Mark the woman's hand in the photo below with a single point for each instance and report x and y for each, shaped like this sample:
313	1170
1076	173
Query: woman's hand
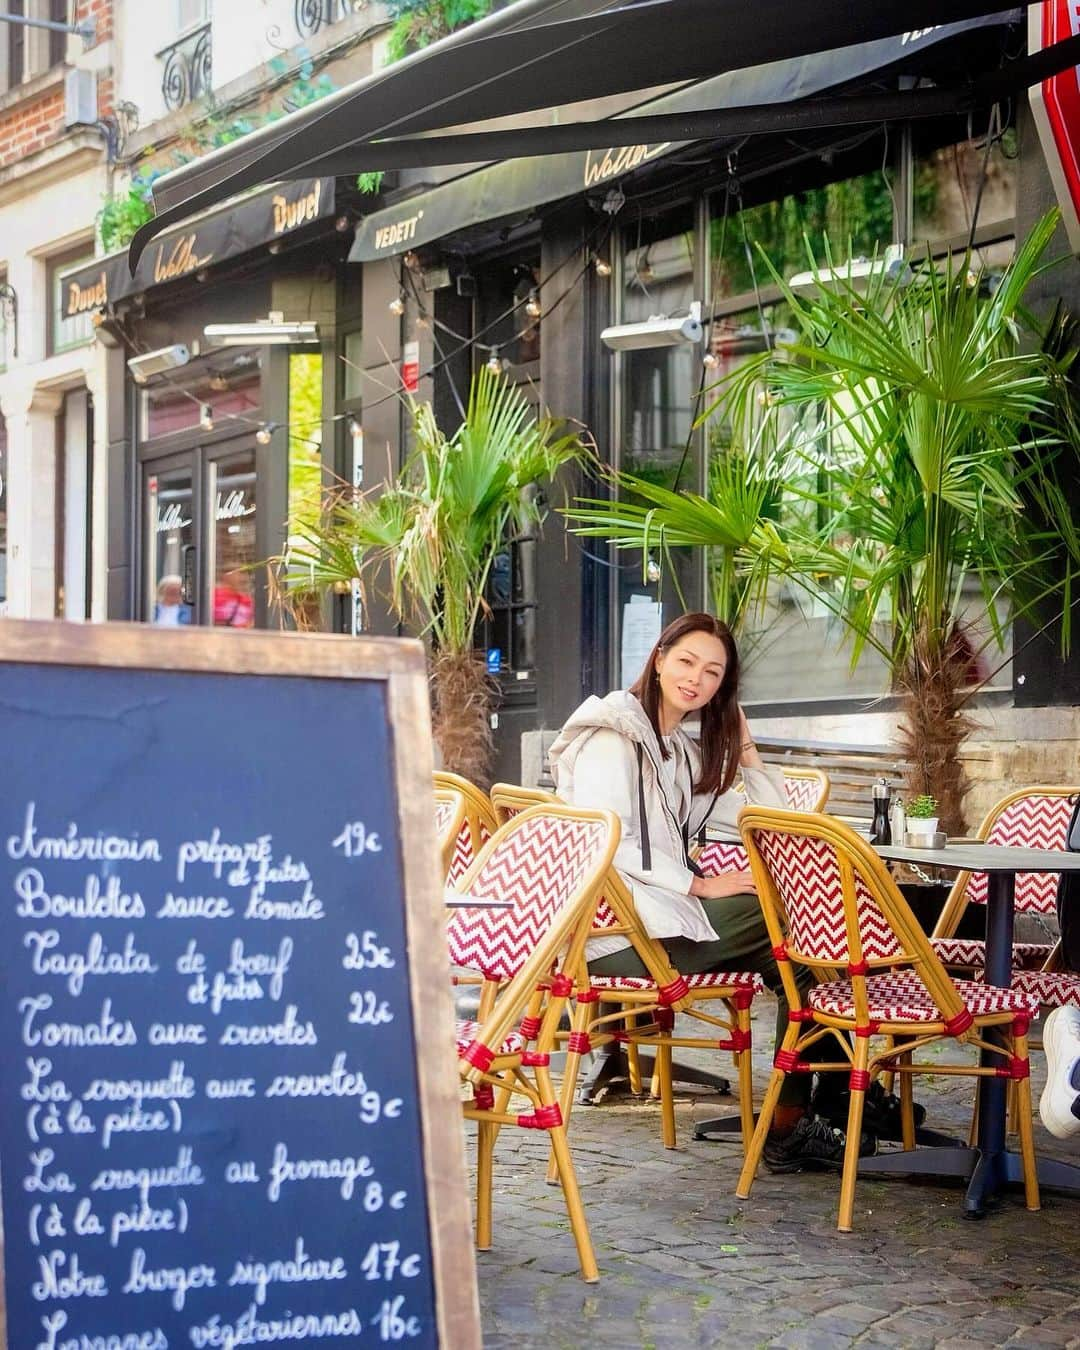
723	885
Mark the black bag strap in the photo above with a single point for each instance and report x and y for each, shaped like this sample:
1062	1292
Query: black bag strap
643	820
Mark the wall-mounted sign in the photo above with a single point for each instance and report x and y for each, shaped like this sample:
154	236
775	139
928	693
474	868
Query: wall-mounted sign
1055	105
227	233
229	1102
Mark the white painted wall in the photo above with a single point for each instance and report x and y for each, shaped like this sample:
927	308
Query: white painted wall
249	32
244	35
41	216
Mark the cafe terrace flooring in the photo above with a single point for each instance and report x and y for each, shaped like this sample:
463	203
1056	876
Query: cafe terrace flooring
686	1264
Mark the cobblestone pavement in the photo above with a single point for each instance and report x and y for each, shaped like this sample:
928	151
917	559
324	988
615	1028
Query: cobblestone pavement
685	1264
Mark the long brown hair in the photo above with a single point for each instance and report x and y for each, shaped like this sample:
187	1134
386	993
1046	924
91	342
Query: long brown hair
720	732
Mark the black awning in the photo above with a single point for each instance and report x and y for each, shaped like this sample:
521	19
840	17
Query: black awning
530	56
277	213
519	185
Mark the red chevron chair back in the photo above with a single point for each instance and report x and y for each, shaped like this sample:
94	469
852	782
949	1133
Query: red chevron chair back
539	861
1032	818
449	823
829	913
508	799
806	789
477	827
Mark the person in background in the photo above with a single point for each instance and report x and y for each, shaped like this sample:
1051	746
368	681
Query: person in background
234	606
170	609
630	753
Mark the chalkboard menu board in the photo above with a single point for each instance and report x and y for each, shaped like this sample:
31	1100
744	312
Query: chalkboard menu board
226	1079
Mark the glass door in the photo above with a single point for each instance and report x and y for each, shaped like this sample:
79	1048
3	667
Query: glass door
171	531
231	554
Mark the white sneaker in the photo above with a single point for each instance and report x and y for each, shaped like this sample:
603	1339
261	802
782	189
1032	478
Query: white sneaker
1060	1100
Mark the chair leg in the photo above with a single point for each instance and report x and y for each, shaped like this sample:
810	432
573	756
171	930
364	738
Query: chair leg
745	1069
907	1106
633	1063
1027	1142
857	1099
757	1143
888	1078
667	1092
973	1128
485	1150
579	1025
575	1210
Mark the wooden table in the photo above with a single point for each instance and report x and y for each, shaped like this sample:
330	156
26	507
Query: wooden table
990	1165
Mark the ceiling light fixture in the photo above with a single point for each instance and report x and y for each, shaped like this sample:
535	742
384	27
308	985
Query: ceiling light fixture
263	332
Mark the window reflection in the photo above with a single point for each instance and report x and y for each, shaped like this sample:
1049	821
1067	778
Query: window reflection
170	527
233	555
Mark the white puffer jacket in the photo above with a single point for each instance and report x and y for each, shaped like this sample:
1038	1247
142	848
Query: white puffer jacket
595	761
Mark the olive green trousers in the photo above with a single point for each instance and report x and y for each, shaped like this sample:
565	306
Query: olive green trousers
742	943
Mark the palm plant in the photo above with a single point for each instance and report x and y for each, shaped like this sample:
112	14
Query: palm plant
433	535
744	491
920	449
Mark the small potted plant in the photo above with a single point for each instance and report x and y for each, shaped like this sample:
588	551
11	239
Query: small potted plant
922	817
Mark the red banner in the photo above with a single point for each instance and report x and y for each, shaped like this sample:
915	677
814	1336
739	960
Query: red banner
1055	104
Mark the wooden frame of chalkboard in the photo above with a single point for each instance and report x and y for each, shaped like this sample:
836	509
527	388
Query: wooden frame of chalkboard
399	666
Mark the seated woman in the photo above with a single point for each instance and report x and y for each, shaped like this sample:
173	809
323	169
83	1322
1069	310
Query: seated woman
629	753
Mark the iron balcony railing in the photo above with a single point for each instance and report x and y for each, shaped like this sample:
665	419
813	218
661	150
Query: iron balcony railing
187	69
313	15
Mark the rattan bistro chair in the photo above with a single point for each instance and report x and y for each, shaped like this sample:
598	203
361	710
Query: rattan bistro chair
549	864
829	903
639	1011
449	823
478	825
1033	817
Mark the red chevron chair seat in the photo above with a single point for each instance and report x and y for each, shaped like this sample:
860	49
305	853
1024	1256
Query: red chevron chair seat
732	979
830	904
900	996
1033	817
548	863
466	1032
1049	988
971	952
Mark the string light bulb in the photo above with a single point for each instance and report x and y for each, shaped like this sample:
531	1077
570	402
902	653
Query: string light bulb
397	305
710	361
265	433
494	362
603	267
422	320
206	417
532	306
356	431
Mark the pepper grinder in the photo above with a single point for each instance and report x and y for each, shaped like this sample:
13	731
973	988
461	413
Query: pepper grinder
880	832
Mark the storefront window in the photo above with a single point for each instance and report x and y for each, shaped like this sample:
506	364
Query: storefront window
855	215
74	332
788	632
305	464
658	383
226	389
946	191
170	544
232	541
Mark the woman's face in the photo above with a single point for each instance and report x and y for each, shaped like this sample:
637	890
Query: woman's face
690	672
